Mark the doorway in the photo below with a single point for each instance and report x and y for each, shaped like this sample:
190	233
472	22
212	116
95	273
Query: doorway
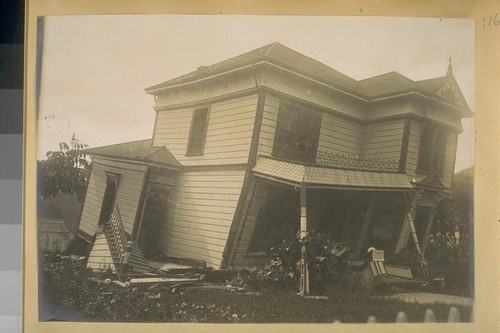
154	214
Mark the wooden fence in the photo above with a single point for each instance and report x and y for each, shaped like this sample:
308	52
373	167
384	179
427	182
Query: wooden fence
429	317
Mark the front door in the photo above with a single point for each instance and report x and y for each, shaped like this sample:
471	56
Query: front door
155	213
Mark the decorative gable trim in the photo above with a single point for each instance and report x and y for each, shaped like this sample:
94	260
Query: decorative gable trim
451	92
431	182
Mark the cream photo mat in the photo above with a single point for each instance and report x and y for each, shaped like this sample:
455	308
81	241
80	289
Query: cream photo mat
486	311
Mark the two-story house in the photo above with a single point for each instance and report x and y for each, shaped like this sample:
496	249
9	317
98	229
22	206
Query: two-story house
235	142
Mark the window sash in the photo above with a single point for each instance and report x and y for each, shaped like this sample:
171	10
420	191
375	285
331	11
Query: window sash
297	133
198	132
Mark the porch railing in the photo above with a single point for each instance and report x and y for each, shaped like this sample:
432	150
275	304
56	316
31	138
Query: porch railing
357	162
117	232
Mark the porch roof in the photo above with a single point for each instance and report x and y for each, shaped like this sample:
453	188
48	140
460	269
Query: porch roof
140	151
288	172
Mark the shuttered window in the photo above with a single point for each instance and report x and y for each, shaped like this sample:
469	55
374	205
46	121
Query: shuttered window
297	133
198	132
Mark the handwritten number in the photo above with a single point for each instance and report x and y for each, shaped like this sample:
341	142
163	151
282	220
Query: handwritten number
492	21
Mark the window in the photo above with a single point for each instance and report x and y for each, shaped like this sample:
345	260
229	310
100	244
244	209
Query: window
297	133
432	150
109	197
197	134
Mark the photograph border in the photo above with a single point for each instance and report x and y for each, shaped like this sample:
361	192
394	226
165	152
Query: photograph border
487	41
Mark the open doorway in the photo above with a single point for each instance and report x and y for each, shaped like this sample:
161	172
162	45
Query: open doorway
154	214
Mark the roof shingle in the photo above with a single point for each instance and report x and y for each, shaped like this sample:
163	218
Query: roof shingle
141	150
324	176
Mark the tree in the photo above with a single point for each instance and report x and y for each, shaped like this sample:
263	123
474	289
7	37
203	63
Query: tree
453	223
64	171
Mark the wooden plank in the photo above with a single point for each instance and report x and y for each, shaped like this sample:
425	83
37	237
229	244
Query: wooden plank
204	190
339	145
190	211
241	112
228	148
272	100
195	250
199	236
240	121
223	136
336	130
252	99
181	223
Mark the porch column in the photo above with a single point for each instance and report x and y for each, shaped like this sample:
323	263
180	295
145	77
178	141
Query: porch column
428	226
304	272
404	235
364	227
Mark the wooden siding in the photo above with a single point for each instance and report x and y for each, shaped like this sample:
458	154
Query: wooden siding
200	215
100	256
127	198
229	132
413	147
449	160
339	136
268	127
383	139
53	235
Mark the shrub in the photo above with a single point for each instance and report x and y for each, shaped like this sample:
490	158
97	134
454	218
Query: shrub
327	263
274	275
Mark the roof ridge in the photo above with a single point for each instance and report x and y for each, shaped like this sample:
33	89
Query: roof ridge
388	73
118	144
270	49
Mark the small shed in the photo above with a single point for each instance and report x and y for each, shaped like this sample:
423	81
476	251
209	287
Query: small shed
53	234
57	222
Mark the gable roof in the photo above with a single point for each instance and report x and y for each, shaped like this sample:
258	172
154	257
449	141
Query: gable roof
385	84
431	85
140	151
280	55
274	53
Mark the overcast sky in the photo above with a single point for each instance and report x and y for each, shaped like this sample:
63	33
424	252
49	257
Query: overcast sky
95	68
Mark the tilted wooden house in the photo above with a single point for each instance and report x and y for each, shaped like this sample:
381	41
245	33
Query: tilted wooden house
234	142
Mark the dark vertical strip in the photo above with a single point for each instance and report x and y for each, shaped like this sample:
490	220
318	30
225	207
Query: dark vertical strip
39	55
404	146
247	183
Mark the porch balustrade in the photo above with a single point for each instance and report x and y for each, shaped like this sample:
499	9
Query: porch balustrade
118	234
356	162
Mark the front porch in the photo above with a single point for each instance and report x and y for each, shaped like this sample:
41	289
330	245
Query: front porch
364	209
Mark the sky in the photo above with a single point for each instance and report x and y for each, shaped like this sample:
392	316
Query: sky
95	68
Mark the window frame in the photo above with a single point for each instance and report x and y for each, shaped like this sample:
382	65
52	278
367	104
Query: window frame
107	203
431	158
190	151
281	132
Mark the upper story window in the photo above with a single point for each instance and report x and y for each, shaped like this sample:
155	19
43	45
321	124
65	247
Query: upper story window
432	150
297	133
198	132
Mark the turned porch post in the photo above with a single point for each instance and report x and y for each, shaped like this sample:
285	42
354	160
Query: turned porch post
304	272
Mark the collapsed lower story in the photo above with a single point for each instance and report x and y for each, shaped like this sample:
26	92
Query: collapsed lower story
137	217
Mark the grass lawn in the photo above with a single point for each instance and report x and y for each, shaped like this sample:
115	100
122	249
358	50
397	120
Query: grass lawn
66	287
